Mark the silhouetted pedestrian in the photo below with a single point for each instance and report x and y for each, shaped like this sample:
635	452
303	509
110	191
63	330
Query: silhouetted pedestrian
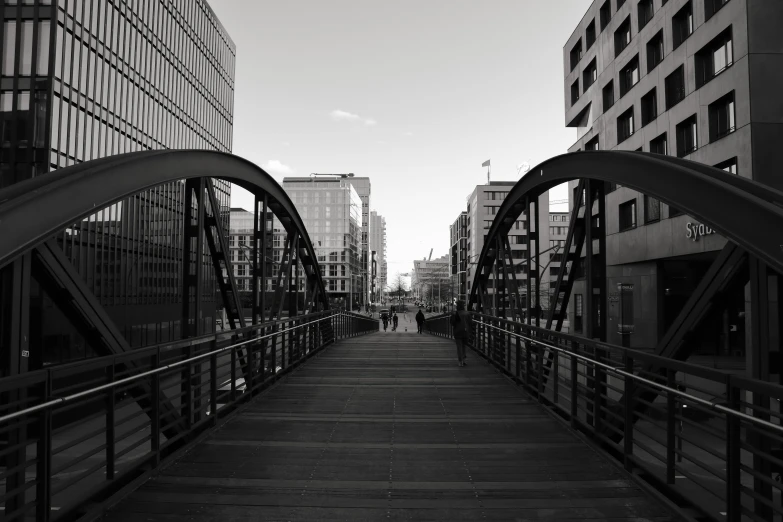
460	320
420	319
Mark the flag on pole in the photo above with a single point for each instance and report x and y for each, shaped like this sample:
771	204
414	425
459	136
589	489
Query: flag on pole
485	164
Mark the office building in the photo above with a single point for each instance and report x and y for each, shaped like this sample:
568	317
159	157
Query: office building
558	233
85	80
458	255
330	208
364	189
430	280
378	247
696	79
483	205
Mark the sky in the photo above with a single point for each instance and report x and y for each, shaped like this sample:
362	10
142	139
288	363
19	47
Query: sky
415	94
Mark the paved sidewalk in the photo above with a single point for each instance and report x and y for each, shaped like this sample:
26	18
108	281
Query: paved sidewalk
388	427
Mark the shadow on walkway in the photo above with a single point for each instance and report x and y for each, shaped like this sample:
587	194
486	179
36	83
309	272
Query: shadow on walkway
388	427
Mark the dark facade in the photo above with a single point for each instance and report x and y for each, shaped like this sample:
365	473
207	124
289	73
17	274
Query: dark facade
458	238
686	78
86	79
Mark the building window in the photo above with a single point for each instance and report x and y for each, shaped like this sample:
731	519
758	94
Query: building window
713	6
608	95
578	310
675	87
574	91
730	165
645	8
629	75
722	117
682	24
628	215
576	54
649	107
714	58
590	34
652	209
625	125
592	144
590	75
655	51
686	137
658	145
605	14
622	37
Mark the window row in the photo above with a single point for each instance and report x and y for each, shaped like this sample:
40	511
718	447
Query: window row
169	32
721	117
710	61
96	78
682	25
81	136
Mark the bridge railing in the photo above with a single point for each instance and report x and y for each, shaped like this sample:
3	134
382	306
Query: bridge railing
704	437
72	435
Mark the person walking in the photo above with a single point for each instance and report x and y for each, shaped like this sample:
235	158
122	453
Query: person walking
460	320
394	323
420	320
385	319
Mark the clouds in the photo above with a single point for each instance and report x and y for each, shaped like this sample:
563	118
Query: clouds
277	167
343	116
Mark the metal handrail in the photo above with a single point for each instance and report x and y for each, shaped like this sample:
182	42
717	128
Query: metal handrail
708	404
90	391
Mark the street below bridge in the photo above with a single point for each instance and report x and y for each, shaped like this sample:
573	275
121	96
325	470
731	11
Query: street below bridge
387	426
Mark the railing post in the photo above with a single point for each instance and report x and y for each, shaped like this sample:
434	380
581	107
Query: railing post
273	353
248	385
110	421
44	457
518	362
187	385
733	443
671	423
556	376
574	395
539	380
528	361
628	424
213	385
291	334
155	424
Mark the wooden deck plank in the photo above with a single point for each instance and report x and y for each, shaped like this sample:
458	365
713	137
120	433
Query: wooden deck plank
388	427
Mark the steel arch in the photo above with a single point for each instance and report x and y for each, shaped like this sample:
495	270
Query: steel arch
73	193
698	190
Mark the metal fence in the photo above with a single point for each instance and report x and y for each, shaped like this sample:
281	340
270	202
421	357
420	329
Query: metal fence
72	435
707	439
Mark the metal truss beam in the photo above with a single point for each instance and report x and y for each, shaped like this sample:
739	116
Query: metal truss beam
193	257
574	238
728	269
65	287
698	190
221	262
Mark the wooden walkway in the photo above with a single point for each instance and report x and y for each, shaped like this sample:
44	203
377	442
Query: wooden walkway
388	427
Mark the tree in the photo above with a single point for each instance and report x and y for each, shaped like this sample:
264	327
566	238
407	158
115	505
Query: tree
398	286
435	283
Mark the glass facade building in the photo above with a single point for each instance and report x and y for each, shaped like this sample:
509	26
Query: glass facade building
85	79
332	213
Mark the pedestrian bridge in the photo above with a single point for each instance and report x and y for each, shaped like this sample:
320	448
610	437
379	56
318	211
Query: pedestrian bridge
301	412
387	427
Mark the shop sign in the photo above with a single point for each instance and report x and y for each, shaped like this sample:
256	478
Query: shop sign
694	231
